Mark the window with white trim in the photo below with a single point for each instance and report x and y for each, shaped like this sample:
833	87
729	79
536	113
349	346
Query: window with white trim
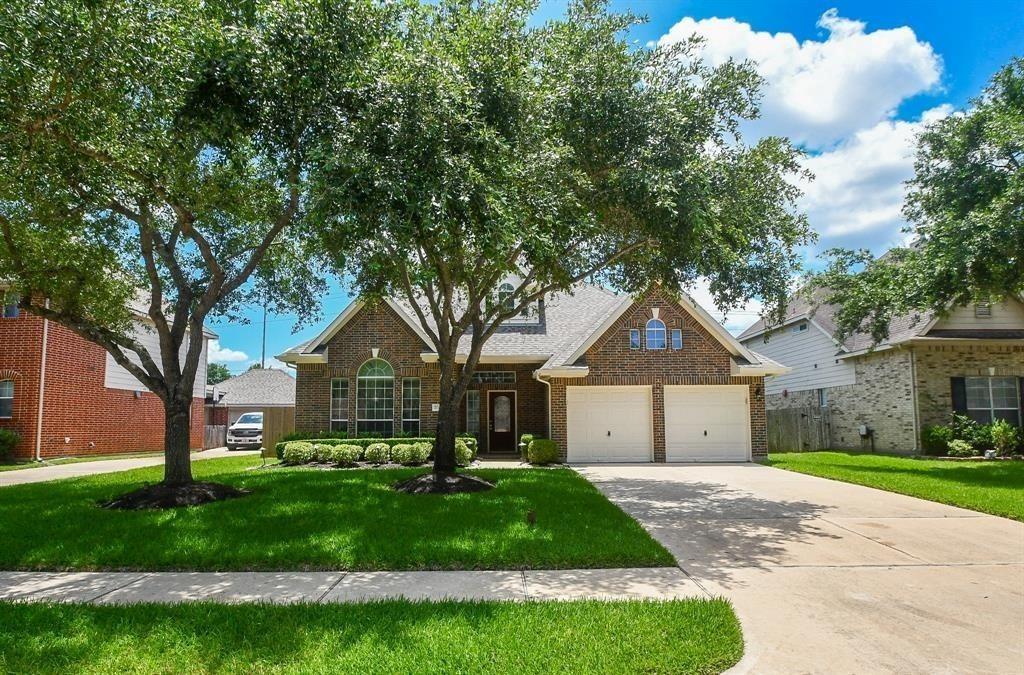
473	411
634	338
992	398
339	404
10	305
411	405
495	377
677	338
505	293
656	334
823	398
6	399
375	398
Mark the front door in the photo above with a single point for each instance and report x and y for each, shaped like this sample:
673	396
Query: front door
501	421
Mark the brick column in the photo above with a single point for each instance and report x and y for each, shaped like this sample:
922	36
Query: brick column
658	415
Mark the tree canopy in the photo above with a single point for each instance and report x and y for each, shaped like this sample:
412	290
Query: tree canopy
154	161
966	206
488	148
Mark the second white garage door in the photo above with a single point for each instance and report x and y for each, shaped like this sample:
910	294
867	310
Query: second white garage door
609	424
709	423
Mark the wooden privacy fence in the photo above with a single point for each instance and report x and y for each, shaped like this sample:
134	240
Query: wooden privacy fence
799	429
276	423
215	436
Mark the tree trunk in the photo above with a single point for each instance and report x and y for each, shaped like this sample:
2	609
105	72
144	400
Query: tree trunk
177	433
447	414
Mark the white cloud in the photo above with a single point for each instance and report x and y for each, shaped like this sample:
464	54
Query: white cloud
218	354
819	92
857	195
735	320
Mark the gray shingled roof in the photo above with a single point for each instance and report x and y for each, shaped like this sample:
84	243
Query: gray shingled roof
258	387
564	323
901	328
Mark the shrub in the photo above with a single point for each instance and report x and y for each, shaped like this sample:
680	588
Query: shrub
469	440
960	448
8	439
542	451
463	454
299	452
402	453
966	429
935	439
1004	437
343	454
524	445
377	453
420	452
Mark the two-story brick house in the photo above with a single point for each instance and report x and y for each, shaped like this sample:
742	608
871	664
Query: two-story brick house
66	396
969	361
608	376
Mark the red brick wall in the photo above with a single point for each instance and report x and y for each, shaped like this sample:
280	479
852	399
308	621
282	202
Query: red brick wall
379	327
703	360
80	415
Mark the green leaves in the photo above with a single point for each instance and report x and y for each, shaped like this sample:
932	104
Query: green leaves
966	201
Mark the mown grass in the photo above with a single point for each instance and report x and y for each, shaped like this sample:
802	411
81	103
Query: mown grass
680	636
299	519
23	464
994	487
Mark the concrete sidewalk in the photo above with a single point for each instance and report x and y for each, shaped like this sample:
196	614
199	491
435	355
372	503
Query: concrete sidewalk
660	583
60	471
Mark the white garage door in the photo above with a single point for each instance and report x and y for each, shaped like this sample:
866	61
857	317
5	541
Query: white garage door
708	423
609	424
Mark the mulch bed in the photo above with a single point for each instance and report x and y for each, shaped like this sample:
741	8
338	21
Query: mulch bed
443	484
163	496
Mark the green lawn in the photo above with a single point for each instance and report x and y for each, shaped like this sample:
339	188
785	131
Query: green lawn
300	518
681	636
995	487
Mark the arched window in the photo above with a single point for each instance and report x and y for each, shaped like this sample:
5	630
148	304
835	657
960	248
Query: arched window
505	293
6	398
655	334
375	398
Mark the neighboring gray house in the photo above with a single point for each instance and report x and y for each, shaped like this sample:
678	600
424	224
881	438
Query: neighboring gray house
970	361
252	391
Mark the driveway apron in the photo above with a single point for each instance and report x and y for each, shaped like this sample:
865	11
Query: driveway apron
829	577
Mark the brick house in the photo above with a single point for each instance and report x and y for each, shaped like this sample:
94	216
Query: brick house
609	377
65	396
970	361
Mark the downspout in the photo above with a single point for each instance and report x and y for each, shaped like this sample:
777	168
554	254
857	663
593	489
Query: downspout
914	401
42	389
536	376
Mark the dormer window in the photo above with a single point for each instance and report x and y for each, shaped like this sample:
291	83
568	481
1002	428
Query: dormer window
505	293
656	338
799	328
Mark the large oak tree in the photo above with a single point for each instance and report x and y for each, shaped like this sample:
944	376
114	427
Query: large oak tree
487	147
157	154
966	206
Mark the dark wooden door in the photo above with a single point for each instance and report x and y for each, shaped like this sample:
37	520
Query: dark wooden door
501	421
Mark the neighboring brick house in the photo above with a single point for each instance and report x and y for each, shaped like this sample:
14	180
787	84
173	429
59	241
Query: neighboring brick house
970	361
90	405
609	377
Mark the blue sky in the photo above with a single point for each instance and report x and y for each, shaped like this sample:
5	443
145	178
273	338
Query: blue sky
850	83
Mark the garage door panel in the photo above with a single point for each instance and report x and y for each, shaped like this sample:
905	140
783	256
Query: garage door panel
609	424
707	423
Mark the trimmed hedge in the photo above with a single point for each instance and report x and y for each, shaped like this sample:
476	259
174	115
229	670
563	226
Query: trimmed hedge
379	453
344	454
524	445
542	451
470	440
463	453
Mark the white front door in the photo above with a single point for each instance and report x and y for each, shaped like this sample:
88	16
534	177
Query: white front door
707	423
609	424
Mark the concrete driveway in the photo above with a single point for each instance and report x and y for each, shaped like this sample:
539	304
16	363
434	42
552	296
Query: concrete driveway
828	577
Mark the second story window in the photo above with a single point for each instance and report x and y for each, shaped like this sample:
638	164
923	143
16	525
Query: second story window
677	338
634	338
656	334
505	293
